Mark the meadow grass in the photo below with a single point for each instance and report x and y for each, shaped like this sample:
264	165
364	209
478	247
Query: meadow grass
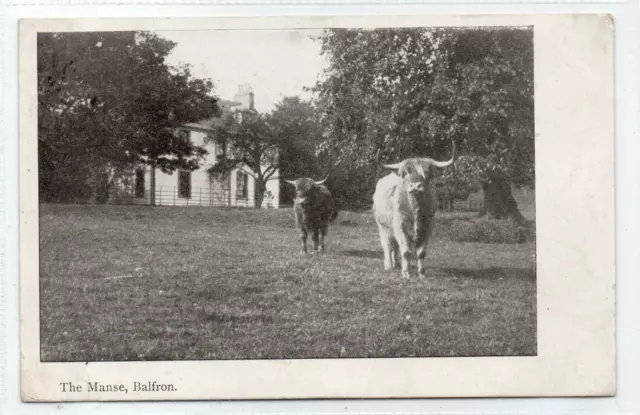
170	283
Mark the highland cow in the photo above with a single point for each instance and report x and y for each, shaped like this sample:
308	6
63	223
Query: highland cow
314	208
404	205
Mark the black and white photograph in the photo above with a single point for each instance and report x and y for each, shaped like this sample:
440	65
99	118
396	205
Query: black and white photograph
287	194
278	194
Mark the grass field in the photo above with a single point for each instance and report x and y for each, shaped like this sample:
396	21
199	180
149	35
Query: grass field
142	283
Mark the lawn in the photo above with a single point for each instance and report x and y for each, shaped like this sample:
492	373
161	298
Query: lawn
143	283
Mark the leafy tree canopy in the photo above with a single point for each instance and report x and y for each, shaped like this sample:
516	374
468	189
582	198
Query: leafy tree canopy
110	99
389	94
295	122
252	142
283	140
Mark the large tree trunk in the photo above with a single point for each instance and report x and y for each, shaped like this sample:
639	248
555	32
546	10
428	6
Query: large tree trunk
499	202
261	187
152	185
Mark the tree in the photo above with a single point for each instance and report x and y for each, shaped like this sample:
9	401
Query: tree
298	130
393	93
108	101
252	143
283	141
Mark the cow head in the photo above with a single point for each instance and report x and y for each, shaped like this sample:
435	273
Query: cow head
417	172
415	183
305	190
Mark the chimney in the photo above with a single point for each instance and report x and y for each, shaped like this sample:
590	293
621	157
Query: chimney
245	97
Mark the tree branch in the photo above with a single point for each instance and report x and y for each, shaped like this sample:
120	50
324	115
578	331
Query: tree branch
268	174
270	169
251	174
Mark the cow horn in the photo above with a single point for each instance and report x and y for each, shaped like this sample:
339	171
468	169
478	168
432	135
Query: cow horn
448	162
291	182
392	166
322	181
443	163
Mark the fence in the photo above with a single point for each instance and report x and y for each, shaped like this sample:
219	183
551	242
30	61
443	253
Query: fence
469	205
172	196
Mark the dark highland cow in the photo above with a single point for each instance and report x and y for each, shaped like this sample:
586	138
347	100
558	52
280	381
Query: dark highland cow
314	209
404	205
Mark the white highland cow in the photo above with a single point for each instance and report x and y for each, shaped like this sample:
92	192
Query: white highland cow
404	205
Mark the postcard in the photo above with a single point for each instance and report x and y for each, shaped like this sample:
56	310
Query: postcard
317	207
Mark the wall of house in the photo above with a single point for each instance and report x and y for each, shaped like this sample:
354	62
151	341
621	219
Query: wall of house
203	192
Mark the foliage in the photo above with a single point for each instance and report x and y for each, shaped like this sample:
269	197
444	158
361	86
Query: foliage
283	139
393	93
108	100
253	142
294	119
455	188
296	124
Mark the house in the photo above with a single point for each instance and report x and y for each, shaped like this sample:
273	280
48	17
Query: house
197	188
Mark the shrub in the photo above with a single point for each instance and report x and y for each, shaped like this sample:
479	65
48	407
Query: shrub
484	230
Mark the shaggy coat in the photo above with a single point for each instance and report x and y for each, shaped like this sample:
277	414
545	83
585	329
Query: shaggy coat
404	205
314	208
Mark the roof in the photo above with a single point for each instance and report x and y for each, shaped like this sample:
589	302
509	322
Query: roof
226	105
210	124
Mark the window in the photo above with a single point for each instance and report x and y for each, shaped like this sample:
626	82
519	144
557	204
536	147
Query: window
184	184
221	147
139	184
242	185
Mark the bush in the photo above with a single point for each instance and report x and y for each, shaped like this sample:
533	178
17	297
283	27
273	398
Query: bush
484	230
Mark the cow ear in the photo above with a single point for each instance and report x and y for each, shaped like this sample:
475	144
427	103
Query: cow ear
396	167
400	173
426	169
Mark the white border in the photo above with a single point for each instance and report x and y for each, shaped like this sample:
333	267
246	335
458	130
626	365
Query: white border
627	176
575	250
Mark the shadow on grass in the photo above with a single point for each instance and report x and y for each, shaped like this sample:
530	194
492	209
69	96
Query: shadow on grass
362	253
492	273
471	273
348	222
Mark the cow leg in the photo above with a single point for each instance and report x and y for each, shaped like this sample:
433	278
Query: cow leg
404	246
386	240
422	241
323	233
395	253
303	238
314	239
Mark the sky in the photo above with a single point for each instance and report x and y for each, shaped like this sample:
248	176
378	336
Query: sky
277	63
